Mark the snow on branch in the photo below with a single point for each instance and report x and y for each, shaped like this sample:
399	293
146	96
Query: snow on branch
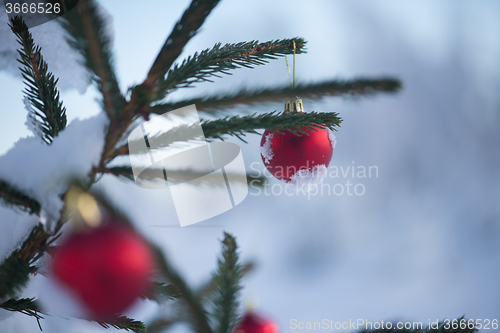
15	270
11	195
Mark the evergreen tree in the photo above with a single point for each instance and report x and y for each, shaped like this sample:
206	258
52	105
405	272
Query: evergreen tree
214	307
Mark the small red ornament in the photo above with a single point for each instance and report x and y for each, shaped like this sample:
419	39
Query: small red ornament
288	156
253	323
107	268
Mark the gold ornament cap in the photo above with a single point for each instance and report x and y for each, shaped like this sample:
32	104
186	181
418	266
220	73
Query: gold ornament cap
294	105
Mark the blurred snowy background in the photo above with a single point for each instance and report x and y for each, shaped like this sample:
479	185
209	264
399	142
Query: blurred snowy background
421	244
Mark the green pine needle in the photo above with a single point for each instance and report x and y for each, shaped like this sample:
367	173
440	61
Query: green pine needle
217	103
13	196
227	280
275	121
239	126
124	323
86	34
178	176
161	291
27	306
219	59
14	275
48	114
183	31
15	270
195	309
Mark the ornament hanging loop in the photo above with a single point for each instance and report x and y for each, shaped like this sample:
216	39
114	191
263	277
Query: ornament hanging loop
292	85
294	104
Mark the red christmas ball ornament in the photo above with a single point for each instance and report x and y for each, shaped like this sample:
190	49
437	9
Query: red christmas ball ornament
293	158
254	323
107	268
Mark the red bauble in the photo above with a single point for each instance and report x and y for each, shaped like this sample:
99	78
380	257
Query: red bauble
106	267
253	323
285	155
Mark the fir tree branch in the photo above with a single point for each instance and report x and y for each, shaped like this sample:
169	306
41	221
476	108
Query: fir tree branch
208	289
183	31
15	270
160	325
218	60
193	304
274	121
315	91
11	195
124	323
227	287
178	176
27	306
14	274
175	137
86	30
238	126
161	291
49	114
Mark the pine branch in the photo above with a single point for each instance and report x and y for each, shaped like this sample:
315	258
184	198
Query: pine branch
86	30
315	91
237	126
27	306
15	270
192	303
208	289
177	176
183	31
49	114
11	195
124	323
227	287
14	274
218	60
161	291
175	137
274	121
160	325
142	95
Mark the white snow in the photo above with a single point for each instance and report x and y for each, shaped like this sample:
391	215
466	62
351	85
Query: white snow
33	126
266	151
309	178
333	139
42	171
